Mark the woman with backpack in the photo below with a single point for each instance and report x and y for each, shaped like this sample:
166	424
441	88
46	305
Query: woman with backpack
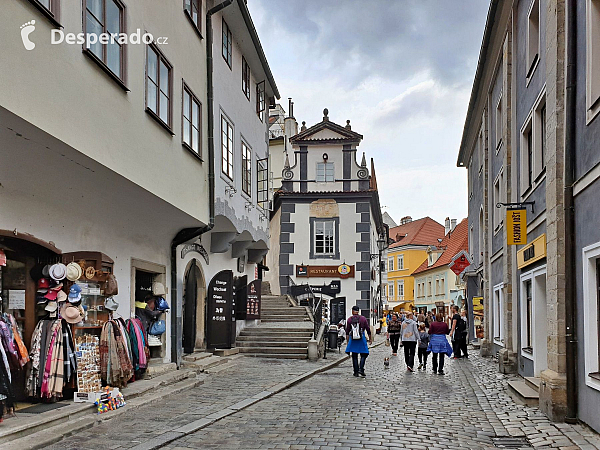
356	326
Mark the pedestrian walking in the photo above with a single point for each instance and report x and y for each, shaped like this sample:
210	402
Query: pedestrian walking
410	338
423	344
429	319
356	327
384	324
459	334
393	333
420	319
438	343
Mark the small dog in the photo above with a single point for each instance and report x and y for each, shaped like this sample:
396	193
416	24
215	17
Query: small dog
386	362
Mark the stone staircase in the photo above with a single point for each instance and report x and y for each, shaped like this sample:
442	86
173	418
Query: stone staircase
284	331
525	391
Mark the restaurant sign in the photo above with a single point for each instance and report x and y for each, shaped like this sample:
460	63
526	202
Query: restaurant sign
341	271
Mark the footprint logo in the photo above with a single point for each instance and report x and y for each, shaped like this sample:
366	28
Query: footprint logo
26	30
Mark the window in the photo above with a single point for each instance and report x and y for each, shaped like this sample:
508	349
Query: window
437	287
471	242
543	140
391	264
227	43
533	146
325	172
191	121
528	342
470	177
245	78
480	250
158	85
592	58
324	237
193	11
591	314
384	265
401	262
497	319
105	16
401	289
227	147
262	181
246	169
429	292
533	37
481	152
498	198
499	124
50	8
529	141
391	291
260	99
442	287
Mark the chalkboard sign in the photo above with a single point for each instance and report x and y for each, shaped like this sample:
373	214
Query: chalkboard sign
253	300
337	307
221	311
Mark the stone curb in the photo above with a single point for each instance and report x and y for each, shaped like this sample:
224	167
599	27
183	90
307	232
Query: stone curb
192	427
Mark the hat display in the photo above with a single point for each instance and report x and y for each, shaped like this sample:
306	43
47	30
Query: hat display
41	299
51	295
75	291
111	304
43	283
58	271
51	306
57	287
74	271
61	296
71	313
158	289
46	271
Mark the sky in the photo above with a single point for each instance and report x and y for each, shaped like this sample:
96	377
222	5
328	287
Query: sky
400	70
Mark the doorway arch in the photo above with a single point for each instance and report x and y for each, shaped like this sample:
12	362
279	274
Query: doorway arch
194	301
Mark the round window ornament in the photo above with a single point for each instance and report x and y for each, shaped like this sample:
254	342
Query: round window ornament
90	272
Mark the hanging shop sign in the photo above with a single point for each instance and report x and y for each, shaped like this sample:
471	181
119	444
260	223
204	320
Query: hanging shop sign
221	310
253	300
516	226
331	289
198	248
2	258
341	271
533	252
460	262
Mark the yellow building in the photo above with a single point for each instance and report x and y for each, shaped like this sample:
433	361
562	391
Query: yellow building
405	255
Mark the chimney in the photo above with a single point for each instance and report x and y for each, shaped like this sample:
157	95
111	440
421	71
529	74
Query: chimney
447	226
290	107
452	224
405	220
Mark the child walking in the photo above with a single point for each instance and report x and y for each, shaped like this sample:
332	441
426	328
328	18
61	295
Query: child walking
423	343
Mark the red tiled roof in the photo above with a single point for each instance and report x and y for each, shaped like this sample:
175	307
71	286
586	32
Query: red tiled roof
453	243
425	231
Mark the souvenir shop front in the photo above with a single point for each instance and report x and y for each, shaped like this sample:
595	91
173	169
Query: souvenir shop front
61	336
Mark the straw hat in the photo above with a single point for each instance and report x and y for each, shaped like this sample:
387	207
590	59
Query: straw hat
74	271
72	314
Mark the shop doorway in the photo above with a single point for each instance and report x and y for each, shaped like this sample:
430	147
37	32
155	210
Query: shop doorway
194	296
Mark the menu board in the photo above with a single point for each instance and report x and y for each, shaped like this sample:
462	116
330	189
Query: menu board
253	300
221	311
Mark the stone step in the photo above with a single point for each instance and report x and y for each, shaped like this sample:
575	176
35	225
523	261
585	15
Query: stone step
205	363
276	350
276	337
533	383
226	351
277	356
300	332
522	393
261	344
156	368
269	320
285	310
196	356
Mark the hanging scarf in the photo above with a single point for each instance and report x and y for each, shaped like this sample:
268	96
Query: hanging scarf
6	391
135	352
9	348
70	362
56	379
141	343
48	363
34	365
23	355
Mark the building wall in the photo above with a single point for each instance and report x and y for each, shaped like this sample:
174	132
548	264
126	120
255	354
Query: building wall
413	258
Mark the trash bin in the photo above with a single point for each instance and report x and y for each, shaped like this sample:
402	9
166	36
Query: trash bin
332	338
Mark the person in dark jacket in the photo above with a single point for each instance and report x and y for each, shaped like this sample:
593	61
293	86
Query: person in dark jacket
145	311
356	326
393	334
423	344
438	343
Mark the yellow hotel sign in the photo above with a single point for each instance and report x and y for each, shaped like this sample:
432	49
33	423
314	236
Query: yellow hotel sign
516	226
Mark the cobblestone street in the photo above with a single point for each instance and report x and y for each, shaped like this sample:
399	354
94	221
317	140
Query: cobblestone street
392	408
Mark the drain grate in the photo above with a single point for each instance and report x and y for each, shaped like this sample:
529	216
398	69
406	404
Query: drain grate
510	442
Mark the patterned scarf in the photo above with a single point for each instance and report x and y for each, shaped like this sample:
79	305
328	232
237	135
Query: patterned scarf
56	377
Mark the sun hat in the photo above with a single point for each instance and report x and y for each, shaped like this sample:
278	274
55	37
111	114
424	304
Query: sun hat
58	271
51	306
71	313
74	271
158	289
46	271
111	304
61	296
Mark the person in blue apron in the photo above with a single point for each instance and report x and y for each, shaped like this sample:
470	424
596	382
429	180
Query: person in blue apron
356	326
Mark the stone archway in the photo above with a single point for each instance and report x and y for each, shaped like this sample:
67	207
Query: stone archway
194	301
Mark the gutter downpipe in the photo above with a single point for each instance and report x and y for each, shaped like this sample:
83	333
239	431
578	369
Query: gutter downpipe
187	234
569	210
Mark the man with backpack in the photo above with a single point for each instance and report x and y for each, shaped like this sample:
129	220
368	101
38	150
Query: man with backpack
356	326
459	334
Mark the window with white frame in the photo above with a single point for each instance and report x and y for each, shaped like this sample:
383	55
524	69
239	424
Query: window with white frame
324	237
481	152
471	241
470	177
442	285
246	169
499	123
390	264
262	182
429	292
191	120
325	172
498	198
533	37
591	314
480	250
437	287
226	147
497	316
401	262
533	146
401	289
528	341
592	41
391	291
227	43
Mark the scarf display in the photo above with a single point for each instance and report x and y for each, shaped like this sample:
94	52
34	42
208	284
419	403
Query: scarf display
139	346
116	368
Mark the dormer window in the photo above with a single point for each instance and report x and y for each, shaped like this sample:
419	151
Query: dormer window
325	172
